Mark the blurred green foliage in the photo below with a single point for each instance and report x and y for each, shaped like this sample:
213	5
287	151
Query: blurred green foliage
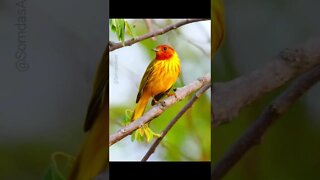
59	167
289	149
28	160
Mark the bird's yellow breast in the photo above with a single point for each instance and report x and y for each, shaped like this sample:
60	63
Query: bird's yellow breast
164	75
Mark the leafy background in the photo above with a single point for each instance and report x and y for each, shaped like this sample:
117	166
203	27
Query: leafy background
255	33
189	139
42	110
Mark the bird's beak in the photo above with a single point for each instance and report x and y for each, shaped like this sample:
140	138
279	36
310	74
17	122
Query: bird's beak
155	49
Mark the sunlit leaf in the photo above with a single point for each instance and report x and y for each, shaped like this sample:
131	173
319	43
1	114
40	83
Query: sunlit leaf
130	29
127	117
118	27
148	134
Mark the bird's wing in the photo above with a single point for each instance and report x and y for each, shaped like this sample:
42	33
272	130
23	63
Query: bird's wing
99	92
145	79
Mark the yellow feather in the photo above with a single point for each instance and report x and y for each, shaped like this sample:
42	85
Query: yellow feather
217	12
159	77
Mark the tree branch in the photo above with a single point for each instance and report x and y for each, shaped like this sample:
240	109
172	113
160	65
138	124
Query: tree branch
114	46
253	134
231	97
174	120
158	109
149	24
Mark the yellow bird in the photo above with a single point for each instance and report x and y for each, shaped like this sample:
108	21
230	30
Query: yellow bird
156	82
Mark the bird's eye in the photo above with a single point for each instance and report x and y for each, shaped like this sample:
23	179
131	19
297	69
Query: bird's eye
165	48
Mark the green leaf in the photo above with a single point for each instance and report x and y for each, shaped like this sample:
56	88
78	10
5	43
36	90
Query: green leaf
133	136
131	30
121	29
113	25
127	117
118	26
148	134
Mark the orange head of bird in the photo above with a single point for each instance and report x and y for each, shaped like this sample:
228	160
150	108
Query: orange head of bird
164	52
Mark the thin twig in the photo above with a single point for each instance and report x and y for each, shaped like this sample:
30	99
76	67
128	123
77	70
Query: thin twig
158	109
149	24
174	120
233	96
115	46
253	134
